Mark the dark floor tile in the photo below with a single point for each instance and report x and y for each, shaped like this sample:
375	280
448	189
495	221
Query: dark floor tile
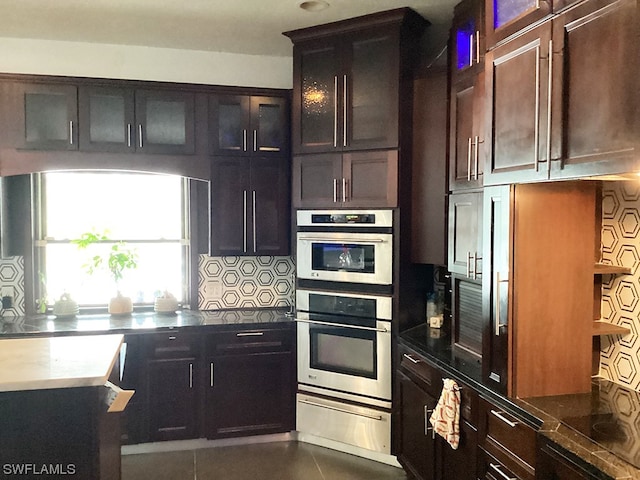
159	466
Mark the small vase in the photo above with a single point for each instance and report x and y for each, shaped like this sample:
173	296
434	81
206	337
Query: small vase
120	305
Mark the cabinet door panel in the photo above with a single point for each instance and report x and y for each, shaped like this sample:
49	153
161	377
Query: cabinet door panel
506	17
107	119
465	217
229	117
166	122
461	463
270	207
370	92
595	89
49	116
417	450
370	179
496	255
315	101
517	82
269	125
230	203
315	180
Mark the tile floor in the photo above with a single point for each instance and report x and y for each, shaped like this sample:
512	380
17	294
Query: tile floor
287	460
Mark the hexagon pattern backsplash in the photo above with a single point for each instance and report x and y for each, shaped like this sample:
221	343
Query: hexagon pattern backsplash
620	354
12	275
245	282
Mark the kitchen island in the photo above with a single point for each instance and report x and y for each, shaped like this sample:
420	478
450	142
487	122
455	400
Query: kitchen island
54	399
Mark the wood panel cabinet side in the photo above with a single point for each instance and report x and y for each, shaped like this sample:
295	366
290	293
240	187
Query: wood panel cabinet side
553	280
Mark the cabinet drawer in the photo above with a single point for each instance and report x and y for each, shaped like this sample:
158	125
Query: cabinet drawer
249	341
508	438
173	345
429	378
489	468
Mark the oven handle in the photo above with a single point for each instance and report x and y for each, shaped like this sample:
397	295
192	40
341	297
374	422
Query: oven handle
322	405
341	240
342	325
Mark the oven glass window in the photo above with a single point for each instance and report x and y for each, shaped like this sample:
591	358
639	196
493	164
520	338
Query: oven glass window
344	350
342	305
343	257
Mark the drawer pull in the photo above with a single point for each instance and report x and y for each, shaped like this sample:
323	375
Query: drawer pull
411	359
499	471
172	337
501	416
427	425
249	334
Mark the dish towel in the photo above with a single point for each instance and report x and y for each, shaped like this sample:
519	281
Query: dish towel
445	418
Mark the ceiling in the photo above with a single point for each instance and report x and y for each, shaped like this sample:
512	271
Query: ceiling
238	26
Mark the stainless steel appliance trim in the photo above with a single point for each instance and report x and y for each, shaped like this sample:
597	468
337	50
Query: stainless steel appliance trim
342	325
330	237
343	410
350	397
384	218
249	334
384	305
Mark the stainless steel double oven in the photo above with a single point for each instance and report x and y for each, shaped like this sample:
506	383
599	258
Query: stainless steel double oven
344	312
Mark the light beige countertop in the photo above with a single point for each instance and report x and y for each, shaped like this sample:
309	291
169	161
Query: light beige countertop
57	362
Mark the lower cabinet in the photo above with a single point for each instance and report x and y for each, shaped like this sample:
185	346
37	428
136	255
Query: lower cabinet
221	384
552	463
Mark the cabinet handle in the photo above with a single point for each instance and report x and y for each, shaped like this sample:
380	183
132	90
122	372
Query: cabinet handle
427	425
255	140
500	415
211	374
499	325
172	337
335	190
129	135
253	219
335	111
476	258
342	410
469	160
344	190
549	93
344	111
536	132
191	375
471	38
140	144
71	132
410	358
477	46
244	139
249	334
499	471
475	156
468	264
244	223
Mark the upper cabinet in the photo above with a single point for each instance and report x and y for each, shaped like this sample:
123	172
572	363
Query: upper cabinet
563	97
248	125
47	117
347	84
467	39
126	120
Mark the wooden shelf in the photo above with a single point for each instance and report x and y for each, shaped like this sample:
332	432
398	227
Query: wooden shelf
603	268
605	328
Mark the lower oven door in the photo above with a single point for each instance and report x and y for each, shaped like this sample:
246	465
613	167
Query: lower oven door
350	358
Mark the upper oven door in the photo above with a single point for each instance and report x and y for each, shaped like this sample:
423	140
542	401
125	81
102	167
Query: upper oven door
346	257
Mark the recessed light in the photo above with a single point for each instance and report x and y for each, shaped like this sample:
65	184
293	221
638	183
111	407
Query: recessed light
313	5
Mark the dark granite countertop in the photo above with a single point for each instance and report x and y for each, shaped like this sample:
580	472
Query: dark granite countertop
598	430
139	322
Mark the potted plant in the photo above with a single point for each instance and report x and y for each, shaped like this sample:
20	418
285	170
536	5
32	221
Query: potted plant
117	260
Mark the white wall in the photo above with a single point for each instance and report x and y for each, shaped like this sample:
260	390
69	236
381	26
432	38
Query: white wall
143	63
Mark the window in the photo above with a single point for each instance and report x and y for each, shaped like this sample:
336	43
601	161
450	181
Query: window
146	211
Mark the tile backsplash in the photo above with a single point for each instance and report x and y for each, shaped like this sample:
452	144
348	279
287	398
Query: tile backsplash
12	275
619	354
245	282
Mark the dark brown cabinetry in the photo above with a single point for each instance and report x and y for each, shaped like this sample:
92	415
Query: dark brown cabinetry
465	234
248	125
518	116
46	116
553	463
172	386
250	206
505	18
467	39
250	383
424	455
357	179
347	81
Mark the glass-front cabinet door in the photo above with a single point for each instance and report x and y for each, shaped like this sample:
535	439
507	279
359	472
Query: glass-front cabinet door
269	126
229	120
165	122
49	116
107	119
506	17
467	36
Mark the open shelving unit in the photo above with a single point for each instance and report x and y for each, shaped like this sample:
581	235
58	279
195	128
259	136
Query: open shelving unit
602	327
